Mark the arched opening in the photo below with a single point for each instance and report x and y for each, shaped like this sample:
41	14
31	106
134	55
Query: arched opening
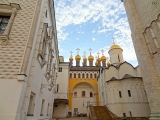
74	75
83	75
75	94
90	75
79	76
91	94
83	93
70	75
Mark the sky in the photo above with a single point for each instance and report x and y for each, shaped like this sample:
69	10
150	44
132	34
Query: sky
86	24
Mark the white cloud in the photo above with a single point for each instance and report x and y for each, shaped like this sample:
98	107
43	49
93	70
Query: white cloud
93	39
108	13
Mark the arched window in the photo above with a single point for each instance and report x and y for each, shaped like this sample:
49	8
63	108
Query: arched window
129	93
91	94
74	75
95	75
83	75
118	58
87	75
75	94
83	93
90	75
70	75
79	75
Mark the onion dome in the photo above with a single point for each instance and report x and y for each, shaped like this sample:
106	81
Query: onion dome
90	58
115	47
82	63
85	59
103	58
98	59
108	63
96	63
78	57
71	58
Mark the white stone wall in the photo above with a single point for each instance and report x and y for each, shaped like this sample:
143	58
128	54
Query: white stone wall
61	110
79	101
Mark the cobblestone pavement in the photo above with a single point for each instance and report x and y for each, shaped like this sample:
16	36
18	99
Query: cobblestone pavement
72	118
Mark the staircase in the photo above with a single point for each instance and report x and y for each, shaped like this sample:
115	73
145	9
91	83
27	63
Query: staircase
101	113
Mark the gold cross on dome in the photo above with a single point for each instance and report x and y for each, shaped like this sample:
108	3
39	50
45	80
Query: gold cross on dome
102	51
71	53
113	40
84	54
78	51
90	50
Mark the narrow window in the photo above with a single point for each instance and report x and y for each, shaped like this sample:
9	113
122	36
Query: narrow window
60	69
75	94
57	87
79	75
46	13
42	107
120	95
129	93
91	94
70	75
130	113
3	23
87	75
83	93
145	93
124	114
95	75
74	75
31	104
48	110
118	58
90	75
83	75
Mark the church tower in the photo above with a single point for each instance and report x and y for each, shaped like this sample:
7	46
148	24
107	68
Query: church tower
115	53
84	63
71	60
144	21
103	59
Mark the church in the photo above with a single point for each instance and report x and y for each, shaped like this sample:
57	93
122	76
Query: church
113	83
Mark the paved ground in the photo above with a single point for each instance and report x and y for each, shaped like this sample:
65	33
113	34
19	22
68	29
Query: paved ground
73	118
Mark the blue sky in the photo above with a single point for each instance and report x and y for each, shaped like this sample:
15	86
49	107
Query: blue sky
88	24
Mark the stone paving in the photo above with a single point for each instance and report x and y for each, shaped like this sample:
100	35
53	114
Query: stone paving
72	118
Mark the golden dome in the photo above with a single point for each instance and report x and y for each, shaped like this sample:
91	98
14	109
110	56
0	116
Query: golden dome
85	59
103	58
90	58
98	59
82	63
78	57
108	63
96	63
70	58
115	47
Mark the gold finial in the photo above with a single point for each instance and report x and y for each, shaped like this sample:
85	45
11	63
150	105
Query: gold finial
90	50
71	53
84	54
78	51
102	52
113	40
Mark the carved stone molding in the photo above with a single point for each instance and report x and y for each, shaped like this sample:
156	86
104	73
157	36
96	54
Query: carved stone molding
11	10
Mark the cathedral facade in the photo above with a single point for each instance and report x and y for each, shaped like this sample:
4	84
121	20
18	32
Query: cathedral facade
144	21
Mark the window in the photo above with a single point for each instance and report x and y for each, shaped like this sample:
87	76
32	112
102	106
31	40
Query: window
91	94
75	94
48	110
124	114
118	58
120	95
90	75
42	107
79	75
3	23
46	13
31	104
87	75
74	75
95	75
83	75
70	75
83	93
60	69
129	93
57	87
130	113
